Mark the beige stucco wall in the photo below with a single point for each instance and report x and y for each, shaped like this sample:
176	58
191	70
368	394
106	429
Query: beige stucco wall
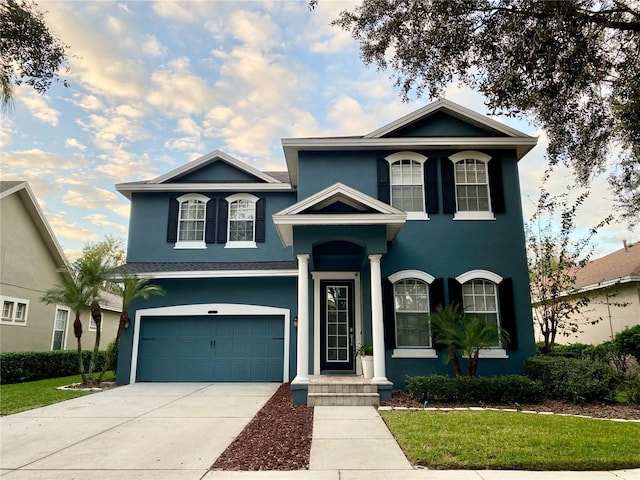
27	271
613	318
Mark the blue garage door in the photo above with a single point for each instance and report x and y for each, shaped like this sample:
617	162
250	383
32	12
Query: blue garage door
211	349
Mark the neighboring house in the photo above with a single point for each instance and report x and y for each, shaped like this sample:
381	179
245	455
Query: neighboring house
612	284
274	276
32	262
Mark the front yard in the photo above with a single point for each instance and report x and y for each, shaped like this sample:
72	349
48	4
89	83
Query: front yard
512	440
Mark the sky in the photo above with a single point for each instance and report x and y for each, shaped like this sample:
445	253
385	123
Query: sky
154	85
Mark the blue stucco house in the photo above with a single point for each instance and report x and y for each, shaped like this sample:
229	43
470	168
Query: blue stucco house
279	276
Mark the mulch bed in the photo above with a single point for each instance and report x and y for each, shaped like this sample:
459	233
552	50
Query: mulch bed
595	410
277	438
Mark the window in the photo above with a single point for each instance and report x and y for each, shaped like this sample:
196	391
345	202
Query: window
60	328
191	221
412	304
14	310
472	194
241	221
406	180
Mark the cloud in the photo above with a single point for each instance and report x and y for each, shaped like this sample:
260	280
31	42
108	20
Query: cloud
6	131
184	12
38	105
73	143
69	230
88	197
88	102
151	46
101	220
122	209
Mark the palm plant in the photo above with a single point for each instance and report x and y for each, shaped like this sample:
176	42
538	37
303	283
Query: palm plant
446	324
130	287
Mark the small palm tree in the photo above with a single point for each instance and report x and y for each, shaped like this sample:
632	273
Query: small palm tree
130	288
477	334
446	324
75	296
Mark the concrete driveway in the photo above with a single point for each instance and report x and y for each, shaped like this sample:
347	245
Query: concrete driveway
140	431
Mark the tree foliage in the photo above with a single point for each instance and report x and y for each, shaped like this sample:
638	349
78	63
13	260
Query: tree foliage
573	65
30	53
555	253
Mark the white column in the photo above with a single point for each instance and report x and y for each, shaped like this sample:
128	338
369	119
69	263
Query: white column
302	372
377	326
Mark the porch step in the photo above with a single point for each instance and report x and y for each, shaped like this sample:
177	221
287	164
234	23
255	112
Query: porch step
343	399
342	392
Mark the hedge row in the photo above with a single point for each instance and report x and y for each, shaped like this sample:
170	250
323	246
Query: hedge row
505	389
574	379
27	366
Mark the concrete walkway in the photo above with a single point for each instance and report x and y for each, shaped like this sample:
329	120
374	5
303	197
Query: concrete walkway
176	431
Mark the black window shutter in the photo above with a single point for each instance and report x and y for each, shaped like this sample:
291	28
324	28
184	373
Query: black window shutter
431	184
260	220
223	216
495	185
448	186
436	294
210	222
384	183
388	314
455	292
172	222
507	312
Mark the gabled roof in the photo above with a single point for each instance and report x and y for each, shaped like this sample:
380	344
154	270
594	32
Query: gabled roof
23	190
171	181
621	266
382	138
365	211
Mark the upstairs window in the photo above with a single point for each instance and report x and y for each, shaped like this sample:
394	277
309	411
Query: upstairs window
406	175
241	228
14	310
191	221
472	193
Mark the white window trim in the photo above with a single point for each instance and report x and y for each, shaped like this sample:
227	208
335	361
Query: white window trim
12	319
491	352
234	198
412	352
421	159
66	329
467	215
191	244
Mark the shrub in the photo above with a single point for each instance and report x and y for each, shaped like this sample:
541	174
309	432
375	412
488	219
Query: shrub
113	351
628	341
608	352
18	367
632	388
574	379
505	389
572	350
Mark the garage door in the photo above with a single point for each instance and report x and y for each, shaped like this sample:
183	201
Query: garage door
211	349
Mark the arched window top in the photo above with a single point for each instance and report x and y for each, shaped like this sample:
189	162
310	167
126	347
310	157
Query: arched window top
193	196
405	274
479	274
469	155
242	196
416	157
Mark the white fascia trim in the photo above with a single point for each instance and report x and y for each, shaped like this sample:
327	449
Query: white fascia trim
414	353
220	274
479	274
594	286
210	158
292	145
127	189
419	274
457	110
221	309
496	353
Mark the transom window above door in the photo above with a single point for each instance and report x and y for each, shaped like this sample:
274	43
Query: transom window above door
406	178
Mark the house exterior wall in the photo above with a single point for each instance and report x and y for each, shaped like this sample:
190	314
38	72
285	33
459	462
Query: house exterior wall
148	232
280	293
612	318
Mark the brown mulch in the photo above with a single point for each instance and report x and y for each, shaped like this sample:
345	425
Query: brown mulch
277	438
595	410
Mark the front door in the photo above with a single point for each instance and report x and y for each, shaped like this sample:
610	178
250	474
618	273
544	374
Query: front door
337	348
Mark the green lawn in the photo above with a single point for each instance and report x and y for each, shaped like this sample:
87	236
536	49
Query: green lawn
511	440
18	397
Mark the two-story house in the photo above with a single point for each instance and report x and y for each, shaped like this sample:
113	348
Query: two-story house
279	276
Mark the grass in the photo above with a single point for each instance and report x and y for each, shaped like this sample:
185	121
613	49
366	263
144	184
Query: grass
18	397
511	440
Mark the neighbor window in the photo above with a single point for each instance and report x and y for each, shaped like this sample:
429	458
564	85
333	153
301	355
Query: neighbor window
242	221
14	310
191	221
59	328
472	193
406	180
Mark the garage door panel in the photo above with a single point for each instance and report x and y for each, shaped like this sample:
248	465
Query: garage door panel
227	349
